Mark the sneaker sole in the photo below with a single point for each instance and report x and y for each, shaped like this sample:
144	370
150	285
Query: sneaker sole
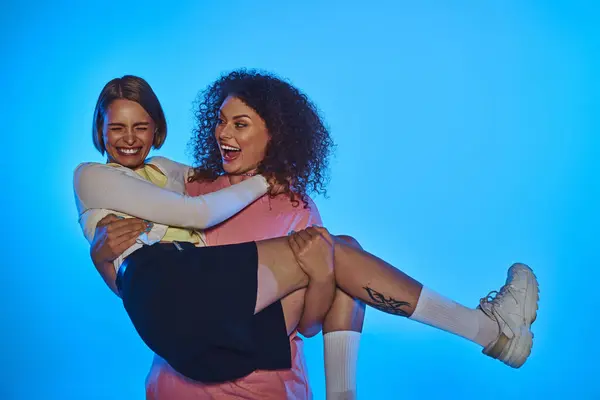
525	340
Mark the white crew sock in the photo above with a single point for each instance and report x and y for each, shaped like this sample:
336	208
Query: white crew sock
341	357
435	310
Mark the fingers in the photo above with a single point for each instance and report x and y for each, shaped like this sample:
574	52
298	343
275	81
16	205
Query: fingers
293	244
299	242
305	237
127	237
115	246
126	226
302	240
324	232
107	220
124	245
317	232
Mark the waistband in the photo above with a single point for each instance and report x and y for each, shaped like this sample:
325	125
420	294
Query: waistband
172	246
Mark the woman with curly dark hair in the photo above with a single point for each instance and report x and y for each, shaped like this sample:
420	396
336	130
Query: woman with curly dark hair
280	133
199	307
299	143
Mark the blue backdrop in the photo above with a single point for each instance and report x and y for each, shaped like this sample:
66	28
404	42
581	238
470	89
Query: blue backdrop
467	139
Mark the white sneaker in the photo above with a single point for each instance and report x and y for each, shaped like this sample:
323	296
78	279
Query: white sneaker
514	308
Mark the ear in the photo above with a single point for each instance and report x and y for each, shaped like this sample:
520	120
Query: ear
154	140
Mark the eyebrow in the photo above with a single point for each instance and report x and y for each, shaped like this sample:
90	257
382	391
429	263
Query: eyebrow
122	124
235	116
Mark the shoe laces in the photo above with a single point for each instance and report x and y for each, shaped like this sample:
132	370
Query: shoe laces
494	298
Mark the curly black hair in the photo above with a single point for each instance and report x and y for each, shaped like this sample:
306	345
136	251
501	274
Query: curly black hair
298	151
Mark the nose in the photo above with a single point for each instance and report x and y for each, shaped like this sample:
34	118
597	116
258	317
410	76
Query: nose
224	132
129	136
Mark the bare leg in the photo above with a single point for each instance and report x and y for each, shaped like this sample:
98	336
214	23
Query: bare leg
293	306
346	313
502	324
278	272
358	273
374	281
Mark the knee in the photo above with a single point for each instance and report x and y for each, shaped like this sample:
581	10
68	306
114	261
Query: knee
345	314
349	240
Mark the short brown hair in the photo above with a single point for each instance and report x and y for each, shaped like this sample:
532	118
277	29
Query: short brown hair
131	88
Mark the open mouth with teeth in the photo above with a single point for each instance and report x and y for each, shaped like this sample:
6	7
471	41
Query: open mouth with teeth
129	151
230	153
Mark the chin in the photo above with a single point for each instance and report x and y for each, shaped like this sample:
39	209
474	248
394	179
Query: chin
128	162
230	169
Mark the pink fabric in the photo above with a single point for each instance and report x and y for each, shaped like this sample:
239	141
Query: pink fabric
265	218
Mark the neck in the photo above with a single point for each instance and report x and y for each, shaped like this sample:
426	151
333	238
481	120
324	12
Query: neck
234	179
237	178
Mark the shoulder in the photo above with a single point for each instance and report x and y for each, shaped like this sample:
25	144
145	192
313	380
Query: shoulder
91	168
176	173
92	177
309	212
162	161
168	166
85	166
200	187
96	166
305	215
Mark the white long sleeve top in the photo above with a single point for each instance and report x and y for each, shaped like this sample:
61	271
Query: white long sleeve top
102	189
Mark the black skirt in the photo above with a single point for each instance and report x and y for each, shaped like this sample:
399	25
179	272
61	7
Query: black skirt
194	307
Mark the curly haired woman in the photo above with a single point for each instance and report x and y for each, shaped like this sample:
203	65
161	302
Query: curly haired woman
294	145
198	307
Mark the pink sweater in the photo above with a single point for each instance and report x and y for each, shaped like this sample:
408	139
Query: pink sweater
265	218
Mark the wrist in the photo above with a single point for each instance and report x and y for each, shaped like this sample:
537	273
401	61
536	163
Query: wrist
322	280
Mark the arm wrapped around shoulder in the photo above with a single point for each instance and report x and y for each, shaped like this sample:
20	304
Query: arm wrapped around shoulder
105	187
